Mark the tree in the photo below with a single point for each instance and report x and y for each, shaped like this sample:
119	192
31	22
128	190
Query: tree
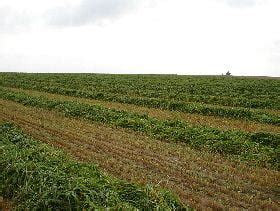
228	73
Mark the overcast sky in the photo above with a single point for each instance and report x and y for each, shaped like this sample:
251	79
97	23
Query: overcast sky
141	36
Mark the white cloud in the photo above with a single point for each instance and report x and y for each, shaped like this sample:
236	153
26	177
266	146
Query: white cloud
173	36
274	55
13	21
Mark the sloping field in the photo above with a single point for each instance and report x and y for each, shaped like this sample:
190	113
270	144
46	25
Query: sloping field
211	121
213	141
235	98
258	148
202	180
37	176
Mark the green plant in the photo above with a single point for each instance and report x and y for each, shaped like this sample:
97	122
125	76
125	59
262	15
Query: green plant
228	143
36	176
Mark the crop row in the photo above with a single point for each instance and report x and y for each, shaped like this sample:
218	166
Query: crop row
256	103
259	148
236	92
214	86
197	108
36	176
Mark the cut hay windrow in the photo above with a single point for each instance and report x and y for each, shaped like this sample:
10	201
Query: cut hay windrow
225	91
36	176
159	96
260	148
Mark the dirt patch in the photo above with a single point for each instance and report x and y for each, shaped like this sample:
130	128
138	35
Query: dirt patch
5	205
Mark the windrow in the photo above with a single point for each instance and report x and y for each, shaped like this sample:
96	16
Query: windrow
166	104
36	176
246	92
257	148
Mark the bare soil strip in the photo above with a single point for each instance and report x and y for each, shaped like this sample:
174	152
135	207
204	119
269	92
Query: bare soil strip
5	205
196	119
203	180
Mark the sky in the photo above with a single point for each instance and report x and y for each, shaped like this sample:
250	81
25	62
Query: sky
190	37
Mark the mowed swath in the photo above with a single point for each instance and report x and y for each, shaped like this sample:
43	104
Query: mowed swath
200	179
179	93
226	91
258	148
147	129
211	121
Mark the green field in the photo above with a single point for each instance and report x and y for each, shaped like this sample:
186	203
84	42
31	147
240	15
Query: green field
234	121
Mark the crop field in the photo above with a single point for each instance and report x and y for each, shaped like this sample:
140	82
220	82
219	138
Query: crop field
83	141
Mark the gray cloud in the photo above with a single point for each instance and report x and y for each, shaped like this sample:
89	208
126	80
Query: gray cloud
87	12
90	11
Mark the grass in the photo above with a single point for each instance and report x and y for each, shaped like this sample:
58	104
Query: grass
210	121
214	141
260	147
202	180
173	105
36	176
243	92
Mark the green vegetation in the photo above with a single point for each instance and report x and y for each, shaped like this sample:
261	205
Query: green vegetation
201	95
258	148
36	176
130	119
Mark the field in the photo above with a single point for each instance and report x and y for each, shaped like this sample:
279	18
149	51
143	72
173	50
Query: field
139	141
